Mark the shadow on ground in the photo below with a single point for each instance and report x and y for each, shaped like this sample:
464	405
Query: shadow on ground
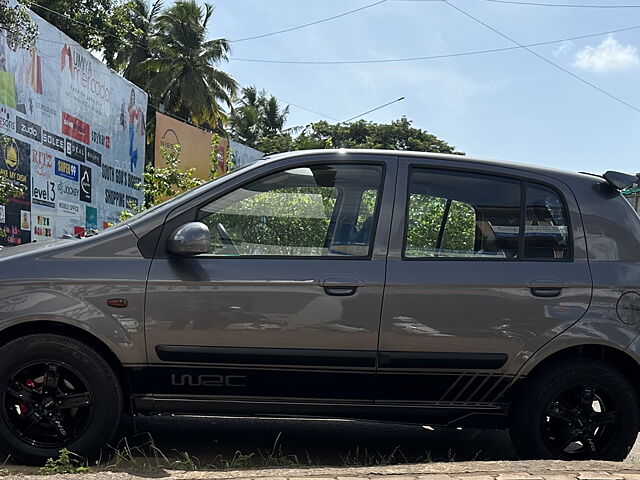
318	442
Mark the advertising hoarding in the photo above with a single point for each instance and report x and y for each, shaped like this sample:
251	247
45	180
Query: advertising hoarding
195	145
72	132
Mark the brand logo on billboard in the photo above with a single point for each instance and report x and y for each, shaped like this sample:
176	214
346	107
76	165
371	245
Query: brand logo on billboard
11	156
52	141
69	191
100	139
44	195
75	150
66	169
80	66
169	139
85	184
94	157
28	129
69	208
43	162
5	119
75	128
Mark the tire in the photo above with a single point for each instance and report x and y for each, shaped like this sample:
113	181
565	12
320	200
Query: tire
55	393
582	403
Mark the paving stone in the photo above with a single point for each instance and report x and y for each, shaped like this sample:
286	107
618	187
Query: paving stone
598	476
435	476
472	476
566	476
518	476
311	478
393	477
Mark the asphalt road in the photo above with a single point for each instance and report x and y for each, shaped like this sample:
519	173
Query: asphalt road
321	442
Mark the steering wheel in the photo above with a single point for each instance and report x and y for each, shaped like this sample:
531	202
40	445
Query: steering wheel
226	238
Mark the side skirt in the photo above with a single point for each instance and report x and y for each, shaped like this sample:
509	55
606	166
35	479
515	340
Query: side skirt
479	416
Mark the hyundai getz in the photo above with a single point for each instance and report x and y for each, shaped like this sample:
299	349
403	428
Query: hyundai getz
393	286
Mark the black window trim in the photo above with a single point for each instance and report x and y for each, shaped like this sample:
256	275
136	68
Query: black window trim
524	181
369	255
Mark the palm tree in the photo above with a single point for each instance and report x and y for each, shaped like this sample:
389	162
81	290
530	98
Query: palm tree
188	81
273	118
256	116
137	50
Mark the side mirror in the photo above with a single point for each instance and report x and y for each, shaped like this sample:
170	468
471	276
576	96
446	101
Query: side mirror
190	239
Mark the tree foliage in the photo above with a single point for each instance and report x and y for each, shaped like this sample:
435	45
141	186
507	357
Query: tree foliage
257	115
21	30
397	135
95	24
166	53
165	182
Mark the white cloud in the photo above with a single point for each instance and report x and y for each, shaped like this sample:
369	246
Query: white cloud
609	56
563	48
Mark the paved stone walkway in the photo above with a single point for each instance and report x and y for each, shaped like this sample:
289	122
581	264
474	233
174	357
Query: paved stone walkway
502	470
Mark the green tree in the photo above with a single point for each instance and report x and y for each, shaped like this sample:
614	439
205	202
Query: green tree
136	48
95	24
397	135
186	78
21	30
257	115
165	182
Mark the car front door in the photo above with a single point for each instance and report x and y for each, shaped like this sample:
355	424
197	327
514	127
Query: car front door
486	264
286	306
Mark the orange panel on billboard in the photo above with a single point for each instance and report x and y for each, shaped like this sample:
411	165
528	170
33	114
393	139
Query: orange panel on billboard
195	144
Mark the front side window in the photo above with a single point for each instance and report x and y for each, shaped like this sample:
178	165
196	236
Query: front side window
462	215
318	210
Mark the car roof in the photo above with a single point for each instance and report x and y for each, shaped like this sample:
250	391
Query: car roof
552	172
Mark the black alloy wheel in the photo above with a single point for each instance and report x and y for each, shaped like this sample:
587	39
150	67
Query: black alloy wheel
56	392
580	421
47	404
575	409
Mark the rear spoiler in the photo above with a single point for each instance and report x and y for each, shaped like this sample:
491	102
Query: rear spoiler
617	180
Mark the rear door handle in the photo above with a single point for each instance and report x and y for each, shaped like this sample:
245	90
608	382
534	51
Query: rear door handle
340	286
546	288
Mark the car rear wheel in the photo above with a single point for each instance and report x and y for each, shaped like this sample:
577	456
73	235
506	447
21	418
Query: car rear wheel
579	409
56	393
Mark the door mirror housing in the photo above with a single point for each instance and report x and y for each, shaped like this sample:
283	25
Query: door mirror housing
190	239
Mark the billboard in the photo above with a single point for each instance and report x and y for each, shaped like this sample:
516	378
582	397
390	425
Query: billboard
195	144
72	132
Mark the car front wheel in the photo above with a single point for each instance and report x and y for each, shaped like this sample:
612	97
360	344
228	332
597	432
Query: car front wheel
578	409
56	393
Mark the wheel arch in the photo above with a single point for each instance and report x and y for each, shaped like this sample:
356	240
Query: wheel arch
623	361
72	331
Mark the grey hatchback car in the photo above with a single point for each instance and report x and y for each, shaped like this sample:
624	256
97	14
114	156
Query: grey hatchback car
392	286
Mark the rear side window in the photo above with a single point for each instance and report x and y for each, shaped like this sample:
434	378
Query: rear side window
546	231
455	214
476	216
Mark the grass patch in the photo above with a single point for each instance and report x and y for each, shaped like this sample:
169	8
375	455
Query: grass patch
140	454
67	462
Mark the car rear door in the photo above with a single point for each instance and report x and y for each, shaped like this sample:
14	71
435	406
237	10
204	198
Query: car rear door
486	264
286	307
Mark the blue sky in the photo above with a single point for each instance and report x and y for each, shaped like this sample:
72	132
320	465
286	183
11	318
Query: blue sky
507	105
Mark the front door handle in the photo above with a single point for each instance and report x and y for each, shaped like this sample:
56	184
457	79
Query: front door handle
340	291
546	292
340	286
546	288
